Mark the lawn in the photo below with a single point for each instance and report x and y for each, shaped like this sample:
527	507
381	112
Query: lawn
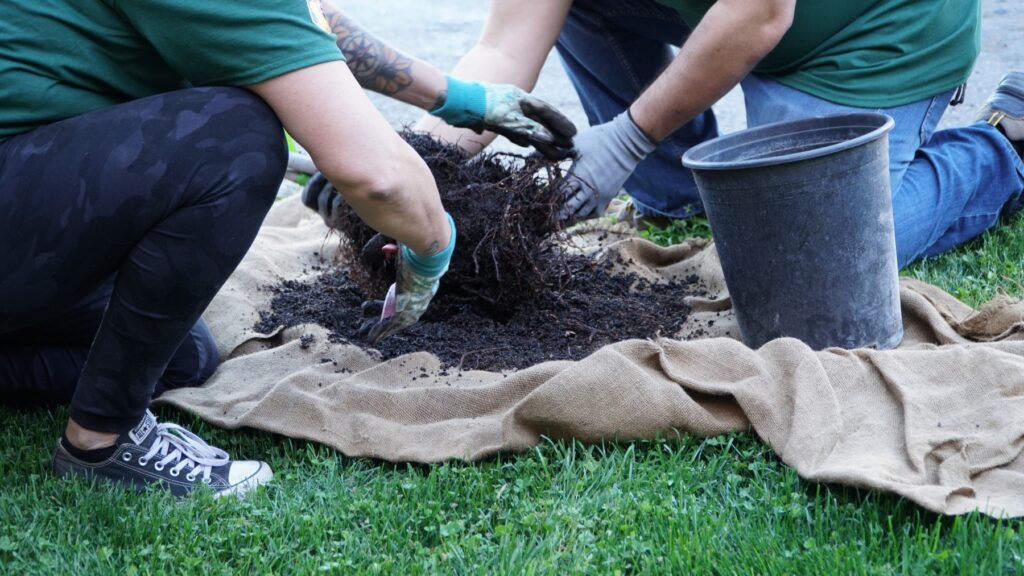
681	505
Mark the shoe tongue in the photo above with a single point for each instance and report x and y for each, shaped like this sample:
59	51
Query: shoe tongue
142	434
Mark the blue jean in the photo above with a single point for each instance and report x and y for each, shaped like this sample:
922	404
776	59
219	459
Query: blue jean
948	186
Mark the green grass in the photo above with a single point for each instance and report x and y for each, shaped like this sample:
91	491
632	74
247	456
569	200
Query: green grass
678	230
990	265
681	505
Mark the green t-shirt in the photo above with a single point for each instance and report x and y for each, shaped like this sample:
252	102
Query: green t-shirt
62	58
870	53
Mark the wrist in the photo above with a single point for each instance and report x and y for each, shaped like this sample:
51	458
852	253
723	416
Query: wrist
464	103
641	130
630	141
432	265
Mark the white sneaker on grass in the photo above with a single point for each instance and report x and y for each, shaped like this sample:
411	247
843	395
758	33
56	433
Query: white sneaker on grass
167	455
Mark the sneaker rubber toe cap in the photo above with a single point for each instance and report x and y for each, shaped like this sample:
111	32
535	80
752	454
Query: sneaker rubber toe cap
245	476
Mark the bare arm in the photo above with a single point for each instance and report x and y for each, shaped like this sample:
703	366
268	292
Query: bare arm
381	68
516	39
731	38
379	175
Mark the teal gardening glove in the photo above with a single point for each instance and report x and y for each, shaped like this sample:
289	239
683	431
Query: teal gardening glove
509	111
417	279
417	276
605	155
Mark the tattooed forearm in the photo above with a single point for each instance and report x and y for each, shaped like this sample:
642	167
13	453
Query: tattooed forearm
375	65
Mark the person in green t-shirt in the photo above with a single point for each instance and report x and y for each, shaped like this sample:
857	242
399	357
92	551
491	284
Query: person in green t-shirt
141	145
648	103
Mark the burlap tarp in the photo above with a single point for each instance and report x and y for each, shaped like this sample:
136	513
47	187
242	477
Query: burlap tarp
939	421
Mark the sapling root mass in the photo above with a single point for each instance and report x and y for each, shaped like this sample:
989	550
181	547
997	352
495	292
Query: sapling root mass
512	297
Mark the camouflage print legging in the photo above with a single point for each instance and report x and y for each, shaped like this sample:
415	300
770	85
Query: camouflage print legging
146	207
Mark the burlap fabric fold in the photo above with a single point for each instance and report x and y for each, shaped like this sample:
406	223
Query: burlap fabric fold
939	421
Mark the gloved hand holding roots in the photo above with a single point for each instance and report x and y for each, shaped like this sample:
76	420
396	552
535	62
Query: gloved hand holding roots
417	276
509	111
605	156
417	280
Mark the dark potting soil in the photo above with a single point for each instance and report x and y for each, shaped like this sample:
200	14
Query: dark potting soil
596	309
511	298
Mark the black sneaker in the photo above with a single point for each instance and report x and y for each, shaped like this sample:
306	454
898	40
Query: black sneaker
170	455
1004	109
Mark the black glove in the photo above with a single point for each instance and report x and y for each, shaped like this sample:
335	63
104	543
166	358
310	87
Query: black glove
320	195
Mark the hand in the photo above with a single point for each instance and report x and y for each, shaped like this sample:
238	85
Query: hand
320	195
378	253
417	280
509	111
605	155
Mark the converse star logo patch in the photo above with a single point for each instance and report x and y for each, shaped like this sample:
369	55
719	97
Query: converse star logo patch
142	429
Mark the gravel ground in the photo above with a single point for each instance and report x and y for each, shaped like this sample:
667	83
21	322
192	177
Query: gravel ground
440	32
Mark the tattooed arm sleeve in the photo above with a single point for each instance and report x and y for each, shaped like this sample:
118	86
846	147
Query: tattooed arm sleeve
379	67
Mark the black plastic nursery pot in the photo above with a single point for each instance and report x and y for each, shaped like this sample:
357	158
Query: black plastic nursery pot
801	214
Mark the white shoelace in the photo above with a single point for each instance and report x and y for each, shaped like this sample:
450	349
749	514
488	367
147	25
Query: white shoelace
178	445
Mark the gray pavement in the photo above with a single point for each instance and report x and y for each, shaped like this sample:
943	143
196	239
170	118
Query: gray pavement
441	32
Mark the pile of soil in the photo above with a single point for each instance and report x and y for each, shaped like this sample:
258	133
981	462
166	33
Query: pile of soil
598	308
511	298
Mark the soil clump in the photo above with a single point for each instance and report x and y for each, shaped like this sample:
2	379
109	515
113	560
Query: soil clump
505	209
511	298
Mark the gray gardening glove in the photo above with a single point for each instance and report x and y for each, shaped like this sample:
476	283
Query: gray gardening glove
417	280
320	195
605	155
507	110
